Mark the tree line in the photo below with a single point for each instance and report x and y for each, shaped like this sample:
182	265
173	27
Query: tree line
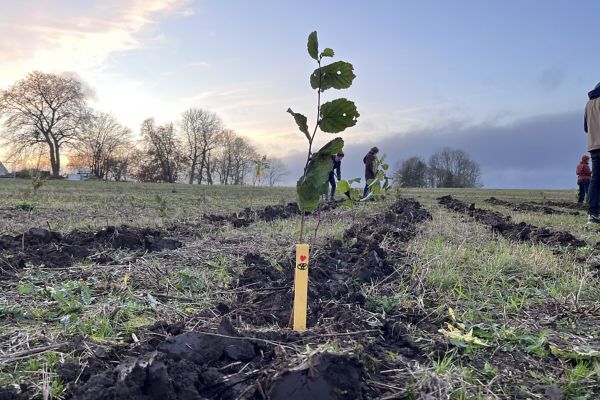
48	113
447	168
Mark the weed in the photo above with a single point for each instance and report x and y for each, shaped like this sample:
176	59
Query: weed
190	281
442	365
24	206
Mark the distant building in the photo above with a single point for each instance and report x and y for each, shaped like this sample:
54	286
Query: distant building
3	170
81	175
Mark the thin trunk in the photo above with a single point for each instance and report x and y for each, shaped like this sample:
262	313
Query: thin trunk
192	171
52	157
208	174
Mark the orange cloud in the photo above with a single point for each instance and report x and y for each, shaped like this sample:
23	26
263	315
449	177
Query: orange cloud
62	40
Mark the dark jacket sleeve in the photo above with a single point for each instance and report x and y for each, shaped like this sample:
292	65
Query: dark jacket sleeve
338	170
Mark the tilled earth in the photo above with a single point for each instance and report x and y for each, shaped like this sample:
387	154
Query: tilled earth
516	231
41	246
269	213
249	353
242	348
526	207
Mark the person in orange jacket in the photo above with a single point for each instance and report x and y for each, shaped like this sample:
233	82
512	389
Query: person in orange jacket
584	177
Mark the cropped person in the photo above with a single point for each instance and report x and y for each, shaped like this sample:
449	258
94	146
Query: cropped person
369	161
591	124
584	176
336	168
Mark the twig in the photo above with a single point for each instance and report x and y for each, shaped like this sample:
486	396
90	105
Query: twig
30	352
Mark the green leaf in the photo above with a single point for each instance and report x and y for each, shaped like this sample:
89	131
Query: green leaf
327	52
313	45
342	187
27	288
301	121
337	115
385	167
337	75
314	183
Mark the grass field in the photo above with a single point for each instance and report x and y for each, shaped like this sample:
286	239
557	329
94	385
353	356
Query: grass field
407	300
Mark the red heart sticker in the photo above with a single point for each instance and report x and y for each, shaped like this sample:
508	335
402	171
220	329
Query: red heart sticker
302	258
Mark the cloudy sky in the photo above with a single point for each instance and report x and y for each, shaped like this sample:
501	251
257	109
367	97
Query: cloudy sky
504	80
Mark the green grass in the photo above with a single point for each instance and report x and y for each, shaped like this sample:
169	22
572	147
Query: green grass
67	205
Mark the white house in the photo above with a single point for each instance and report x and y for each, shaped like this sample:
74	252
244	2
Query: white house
3	170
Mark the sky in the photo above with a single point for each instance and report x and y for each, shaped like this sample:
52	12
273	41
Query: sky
504	80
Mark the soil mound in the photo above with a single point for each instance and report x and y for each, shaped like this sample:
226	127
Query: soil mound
41	246
328	377
269	213
503	224
527	207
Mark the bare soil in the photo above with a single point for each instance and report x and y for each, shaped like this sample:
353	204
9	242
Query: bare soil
42	246
269	213
502	224
245	358
527	207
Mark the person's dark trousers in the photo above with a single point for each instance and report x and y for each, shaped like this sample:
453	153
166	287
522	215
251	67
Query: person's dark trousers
332	183
594	193
366	191
584	187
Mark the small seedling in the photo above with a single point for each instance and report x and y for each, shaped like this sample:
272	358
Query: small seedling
163	208
332	117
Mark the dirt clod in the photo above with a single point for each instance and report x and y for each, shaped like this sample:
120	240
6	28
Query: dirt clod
328	377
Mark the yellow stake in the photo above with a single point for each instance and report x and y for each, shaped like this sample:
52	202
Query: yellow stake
301	287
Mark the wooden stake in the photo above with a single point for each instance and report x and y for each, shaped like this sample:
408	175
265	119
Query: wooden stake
301	287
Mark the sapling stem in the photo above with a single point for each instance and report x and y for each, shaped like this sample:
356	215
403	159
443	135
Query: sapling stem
302	226
312	138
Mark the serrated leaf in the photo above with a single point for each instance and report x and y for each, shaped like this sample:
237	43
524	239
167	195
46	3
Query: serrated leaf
337	115
301	121
313	45
337	75
327	52
314	183
576	353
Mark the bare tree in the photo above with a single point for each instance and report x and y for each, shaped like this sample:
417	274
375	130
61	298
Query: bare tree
201	132
160	159
412	173
101	138
242	154
277	171
233	159
119	165
453	169
43	108
224	157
